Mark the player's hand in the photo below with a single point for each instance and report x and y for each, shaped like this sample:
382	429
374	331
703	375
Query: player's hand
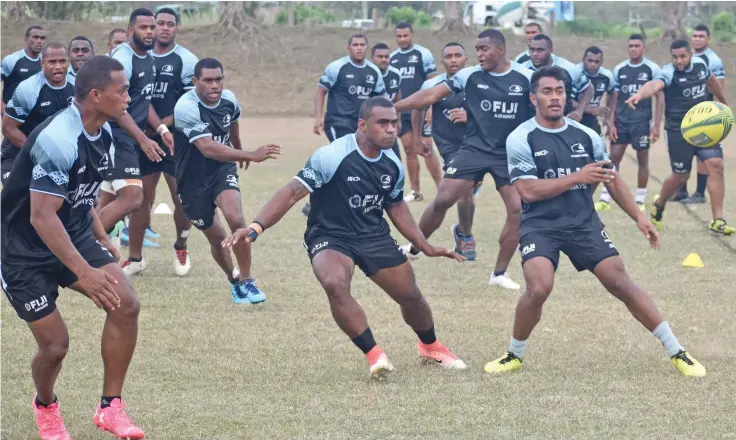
599	111
240	234
633	101
107	244
265	152
168	139
319	127
97	285
612	131
428	117
458	115
422	148
597	173
654	134
575	115
649	231
152	150
244	164
432	251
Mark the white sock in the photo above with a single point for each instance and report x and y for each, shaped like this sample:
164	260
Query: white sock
663	332
184	233
518	347
641	195
605	197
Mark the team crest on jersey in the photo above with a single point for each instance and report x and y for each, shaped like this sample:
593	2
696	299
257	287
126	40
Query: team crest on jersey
701	74
515	90
226	121
394	83
413	59
70	100
550	174
385	181
601	87
105	161
642	76
370	79
167	68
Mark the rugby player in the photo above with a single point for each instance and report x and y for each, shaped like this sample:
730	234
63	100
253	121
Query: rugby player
351	182
115	38
23	64
555	163
531	30
80	49
381	57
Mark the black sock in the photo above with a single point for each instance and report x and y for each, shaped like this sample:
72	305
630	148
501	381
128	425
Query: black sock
135	260
105	401
683	189
702	184
180	248
365	341
45	405
658	214
234	281
414	251
110	230
498	273
426	336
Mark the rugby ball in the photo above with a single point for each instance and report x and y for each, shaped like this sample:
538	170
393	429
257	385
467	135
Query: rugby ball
707	124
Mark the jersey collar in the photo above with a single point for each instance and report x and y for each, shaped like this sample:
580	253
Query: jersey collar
25	54
550	130
154	54
357	147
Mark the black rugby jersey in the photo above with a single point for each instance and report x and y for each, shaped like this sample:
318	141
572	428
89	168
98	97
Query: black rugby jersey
627	80
16	68
415	65
392	81
141	73
349	86
602	83
683	90
174	72
445	132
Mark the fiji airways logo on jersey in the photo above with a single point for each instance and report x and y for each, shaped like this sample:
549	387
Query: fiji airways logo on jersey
159	90
367	203
630	89
222	139
84	194
147	90
37	304
560	172
361	91
500	109
695	92
408	72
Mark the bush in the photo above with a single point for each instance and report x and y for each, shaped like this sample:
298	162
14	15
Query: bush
723	26
589	27
409	15
303	13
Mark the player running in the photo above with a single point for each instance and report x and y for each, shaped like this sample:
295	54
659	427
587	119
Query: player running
352	181
23	64
700	40
448	130
633	127
559	217
51	238
381	57
531	30
174	71
577	85
685	82
80	49
416	65
34	100
115	38
496	101
208	146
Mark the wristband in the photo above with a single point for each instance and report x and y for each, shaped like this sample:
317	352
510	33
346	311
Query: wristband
257	229
162	129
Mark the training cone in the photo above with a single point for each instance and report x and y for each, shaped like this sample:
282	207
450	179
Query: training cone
693	260
163	209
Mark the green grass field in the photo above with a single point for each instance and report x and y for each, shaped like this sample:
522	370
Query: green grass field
207	369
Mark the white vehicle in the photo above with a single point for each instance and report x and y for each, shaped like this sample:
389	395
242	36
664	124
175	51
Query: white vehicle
507	14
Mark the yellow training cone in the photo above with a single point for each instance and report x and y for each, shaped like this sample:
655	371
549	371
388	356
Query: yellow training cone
693	260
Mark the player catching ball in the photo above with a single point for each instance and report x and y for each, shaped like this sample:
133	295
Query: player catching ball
351	181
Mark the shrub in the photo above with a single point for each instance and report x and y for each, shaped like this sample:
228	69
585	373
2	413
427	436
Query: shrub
723	26
304	13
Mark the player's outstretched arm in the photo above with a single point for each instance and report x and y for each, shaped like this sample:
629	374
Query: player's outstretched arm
271	213
149	147
223	153
646	91
621	194
424	98
715	87
401	218
656	129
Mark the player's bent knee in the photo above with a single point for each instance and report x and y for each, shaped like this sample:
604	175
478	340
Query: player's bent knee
715	166
55	351
539	292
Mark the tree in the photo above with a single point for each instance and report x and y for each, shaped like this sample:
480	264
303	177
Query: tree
672	25
453	21
16	11
237	17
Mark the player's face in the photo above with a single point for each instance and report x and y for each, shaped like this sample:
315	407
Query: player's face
357	49
530	32
699	40
489	55
36	40
143	30
382	59
403	38
55	63
209	85
636	49
165	28
592	62
681	58
550	99
381	127
540	53
118	38
113	100
80	52
453	58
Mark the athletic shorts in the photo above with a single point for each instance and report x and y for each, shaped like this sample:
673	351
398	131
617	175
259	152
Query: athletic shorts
199	205
586	247
125	164
682	153
336	131
6	162
33	286
636	135
471	164
369	255
406	126
447	152
166	165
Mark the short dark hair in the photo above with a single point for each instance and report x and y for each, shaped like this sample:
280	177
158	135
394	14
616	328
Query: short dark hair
52	45
207	63
534	24
405	25
140	12
639	37
350	40
81	38
702	28
547	72
595	50
170	12
543	37
495	36
115	31
679	44
378	46
33	28
366	109
95	74
453	44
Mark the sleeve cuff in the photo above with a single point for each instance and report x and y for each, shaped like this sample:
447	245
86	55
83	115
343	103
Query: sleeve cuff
306	185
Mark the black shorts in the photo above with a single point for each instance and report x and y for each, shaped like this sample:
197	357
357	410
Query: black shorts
166	165
125	164
199	205
447	152
406	126
336	131
369	255
33	286
636	135
471	164
5	166
585	247
682	152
